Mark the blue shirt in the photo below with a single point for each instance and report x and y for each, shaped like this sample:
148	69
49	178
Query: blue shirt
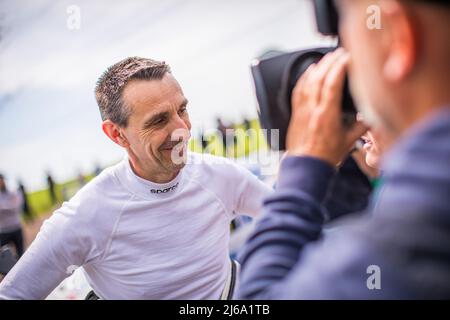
399	250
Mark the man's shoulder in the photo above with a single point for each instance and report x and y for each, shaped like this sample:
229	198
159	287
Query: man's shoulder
206	159
98	194
417	171
106	181
210	166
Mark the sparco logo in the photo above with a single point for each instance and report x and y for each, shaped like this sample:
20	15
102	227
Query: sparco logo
164	190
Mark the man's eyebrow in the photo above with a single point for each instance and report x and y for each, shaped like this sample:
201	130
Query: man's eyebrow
184	103
155	117
162	114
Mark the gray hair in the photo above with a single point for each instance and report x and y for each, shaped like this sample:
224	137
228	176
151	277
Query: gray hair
108	91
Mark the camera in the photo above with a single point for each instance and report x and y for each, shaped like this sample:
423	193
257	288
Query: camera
275	77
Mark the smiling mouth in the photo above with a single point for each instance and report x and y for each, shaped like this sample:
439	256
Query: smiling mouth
367	143
179	146
169	146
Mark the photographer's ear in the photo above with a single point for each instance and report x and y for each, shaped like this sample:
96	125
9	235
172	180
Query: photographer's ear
115	133
399	40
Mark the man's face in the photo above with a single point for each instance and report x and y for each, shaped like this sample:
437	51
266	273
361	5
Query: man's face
364	44
373	145
158	110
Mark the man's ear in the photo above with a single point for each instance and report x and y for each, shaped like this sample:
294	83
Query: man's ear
114	132
400	41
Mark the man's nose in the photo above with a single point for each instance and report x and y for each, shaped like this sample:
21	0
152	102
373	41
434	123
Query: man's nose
178	124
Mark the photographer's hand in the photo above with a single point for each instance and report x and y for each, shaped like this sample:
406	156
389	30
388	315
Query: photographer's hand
316	127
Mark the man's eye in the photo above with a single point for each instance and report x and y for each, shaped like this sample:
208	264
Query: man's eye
182	110
159	121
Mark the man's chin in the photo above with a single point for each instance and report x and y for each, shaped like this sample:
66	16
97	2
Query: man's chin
373	161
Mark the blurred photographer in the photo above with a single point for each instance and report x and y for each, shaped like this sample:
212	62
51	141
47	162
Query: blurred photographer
399	77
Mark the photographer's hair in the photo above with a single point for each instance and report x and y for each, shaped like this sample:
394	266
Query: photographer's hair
108	91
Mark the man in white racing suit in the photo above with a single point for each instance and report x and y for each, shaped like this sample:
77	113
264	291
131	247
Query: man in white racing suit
152	226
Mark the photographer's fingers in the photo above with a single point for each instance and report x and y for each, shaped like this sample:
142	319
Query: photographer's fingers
355	132
334	84
309	87
299	93
317	79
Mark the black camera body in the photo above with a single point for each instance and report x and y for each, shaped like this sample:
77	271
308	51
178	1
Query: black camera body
275	78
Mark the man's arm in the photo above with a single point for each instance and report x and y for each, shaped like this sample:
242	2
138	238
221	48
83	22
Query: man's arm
249	193
60	247
291	219
287	258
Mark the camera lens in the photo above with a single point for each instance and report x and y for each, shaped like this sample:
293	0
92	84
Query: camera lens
275	78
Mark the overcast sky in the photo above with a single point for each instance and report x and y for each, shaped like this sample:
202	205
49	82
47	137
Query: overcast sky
48	116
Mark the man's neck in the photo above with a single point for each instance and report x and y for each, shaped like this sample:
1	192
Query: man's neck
423	112
416	102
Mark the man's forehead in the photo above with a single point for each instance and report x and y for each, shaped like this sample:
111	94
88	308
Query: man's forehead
154	95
